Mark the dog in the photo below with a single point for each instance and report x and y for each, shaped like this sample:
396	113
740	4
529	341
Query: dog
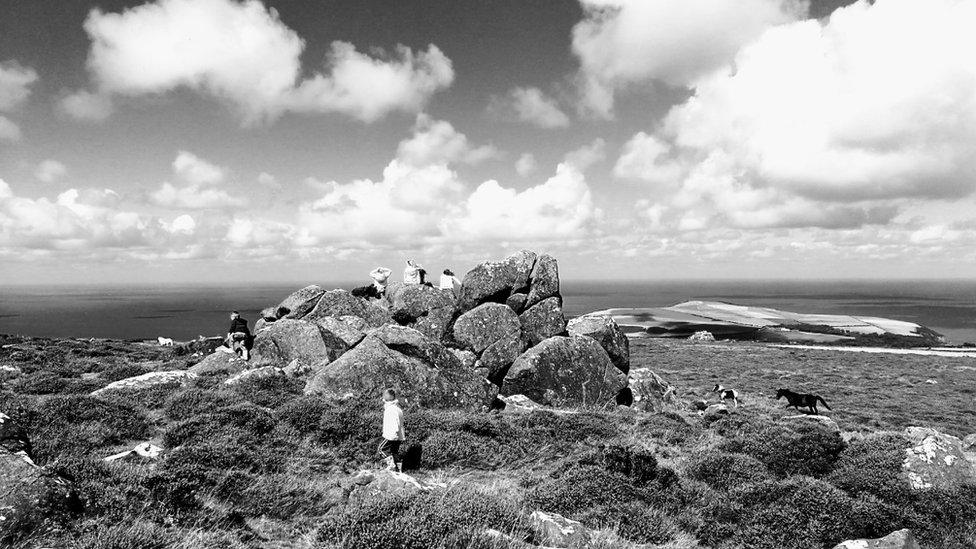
727	394
165	341
801	399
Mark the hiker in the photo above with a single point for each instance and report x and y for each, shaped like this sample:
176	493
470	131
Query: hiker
449	281
414	273
392	431
239	336
377	289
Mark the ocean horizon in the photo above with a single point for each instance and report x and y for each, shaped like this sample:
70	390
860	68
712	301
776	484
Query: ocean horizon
181	311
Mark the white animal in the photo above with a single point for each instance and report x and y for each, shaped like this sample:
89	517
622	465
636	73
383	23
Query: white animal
165	341
726	394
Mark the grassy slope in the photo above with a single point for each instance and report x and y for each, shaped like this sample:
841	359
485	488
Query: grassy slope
258	465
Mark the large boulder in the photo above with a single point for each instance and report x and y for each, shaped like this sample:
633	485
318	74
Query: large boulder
217	363
608	334
413	343
255	373
543	320
290	339
148	380
936	460
345	332
496	281
561	371
425	308
900	539
482	326
650	392
299	303
372	366
544	280
338	303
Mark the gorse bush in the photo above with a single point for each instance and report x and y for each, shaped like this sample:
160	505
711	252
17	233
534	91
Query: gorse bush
269	391
873	466
461	449
245	422
724	471
191	402
123	371
126	535
802	449
303	413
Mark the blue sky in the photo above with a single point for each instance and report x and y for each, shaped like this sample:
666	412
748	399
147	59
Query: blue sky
220	140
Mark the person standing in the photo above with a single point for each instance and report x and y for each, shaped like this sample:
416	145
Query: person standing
449	281
238	335
393	434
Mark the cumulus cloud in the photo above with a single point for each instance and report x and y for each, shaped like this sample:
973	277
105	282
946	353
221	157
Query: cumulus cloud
437	142
625	42
199	190
525	165
50	170
533	106
560	208
825	124
242	54
15	83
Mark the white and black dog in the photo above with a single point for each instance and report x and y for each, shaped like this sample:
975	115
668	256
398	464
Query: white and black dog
727	394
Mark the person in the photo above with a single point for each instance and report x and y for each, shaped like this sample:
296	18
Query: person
449	281
377	289
393	435
239	336
414	273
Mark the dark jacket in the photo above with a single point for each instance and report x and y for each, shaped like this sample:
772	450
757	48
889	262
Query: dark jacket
238	325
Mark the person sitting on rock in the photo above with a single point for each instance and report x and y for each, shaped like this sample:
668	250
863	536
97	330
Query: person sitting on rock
392	431
239	336
414	273
377	289
449	281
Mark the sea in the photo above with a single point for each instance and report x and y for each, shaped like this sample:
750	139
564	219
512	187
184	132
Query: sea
183	312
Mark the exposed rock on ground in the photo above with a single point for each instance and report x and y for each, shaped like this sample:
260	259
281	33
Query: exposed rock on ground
544	280
289	339
824	421
936	460
565	371
429	310
543	320
496	281
145	381
650	391
605	331
901	539
299	303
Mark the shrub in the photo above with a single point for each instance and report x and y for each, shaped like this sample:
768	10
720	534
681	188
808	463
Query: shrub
303	413
114	490
636	522
275	496
56	424
136	535
802	449
637	463
39	383
149	398
269	391
238	421
449	520
581	488
190	402
873	466
460	449
724	471
667	427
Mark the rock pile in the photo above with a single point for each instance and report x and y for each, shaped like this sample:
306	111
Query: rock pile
504	332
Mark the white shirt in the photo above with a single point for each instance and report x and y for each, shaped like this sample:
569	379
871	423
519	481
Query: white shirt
449	282
392	421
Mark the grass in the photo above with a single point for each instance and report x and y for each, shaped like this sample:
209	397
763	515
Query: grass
260	465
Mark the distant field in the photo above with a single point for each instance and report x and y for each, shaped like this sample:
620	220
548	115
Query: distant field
866	391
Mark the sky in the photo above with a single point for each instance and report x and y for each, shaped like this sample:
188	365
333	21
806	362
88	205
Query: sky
262	141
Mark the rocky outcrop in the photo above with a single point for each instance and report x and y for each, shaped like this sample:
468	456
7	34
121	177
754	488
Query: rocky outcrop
148	380
373	366
143	451
218	363
605	331
544	280
701	336
557	530
823	421
338	303
255	373
13	437
365	485
289	339
28	491
494	333
412	343
427	309
936	460
715	412
565	371
342	333
649	391
901	539
299	303
495	282
543	320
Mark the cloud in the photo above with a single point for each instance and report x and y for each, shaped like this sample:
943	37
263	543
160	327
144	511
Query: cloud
625	42
587	155
87	106
196	170
198	191
437	142
15	83
268	180
560	208
832	124
533	106
525	165
50	170
243	55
